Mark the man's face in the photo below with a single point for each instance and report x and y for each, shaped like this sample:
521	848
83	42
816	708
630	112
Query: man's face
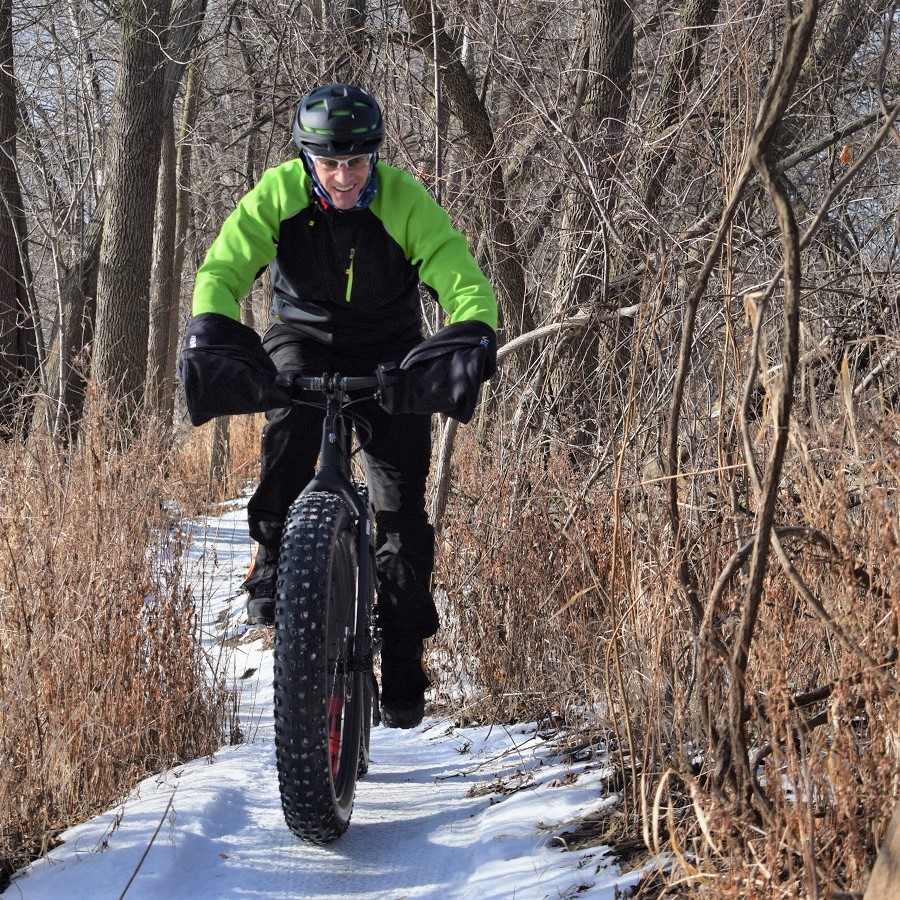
344	182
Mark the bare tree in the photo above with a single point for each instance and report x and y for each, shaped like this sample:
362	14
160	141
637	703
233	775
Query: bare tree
478	134
18	336
169	231
123	277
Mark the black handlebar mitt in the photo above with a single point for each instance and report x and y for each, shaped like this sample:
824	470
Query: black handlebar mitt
442	374
393	388
225	370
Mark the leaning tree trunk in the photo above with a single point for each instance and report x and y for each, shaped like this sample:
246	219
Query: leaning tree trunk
603	58
479	135
18	337
123	279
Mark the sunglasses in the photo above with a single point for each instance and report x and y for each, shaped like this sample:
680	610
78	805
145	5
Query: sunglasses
354	163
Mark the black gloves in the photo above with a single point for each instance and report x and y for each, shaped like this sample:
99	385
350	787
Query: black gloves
225	370
443	374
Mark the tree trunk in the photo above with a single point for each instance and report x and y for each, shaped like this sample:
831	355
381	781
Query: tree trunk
123	278
161	293
182	216
172	210
682	71
479	135
18	337
67	358
181	41
251	73
604	56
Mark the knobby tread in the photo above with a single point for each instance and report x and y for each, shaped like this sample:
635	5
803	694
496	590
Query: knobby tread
316	525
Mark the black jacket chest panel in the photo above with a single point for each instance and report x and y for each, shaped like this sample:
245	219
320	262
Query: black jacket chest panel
343	280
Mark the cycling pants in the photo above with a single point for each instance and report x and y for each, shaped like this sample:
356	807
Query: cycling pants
396	456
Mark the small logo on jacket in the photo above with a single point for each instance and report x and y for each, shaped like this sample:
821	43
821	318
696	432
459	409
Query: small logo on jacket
193	341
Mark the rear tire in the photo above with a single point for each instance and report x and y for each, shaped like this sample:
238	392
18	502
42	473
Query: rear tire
319	700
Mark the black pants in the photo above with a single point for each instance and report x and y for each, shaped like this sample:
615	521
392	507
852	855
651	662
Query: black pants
397	456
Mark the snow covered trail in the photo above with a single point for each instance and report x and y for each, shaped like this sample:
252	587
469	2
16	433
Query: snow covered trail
443	813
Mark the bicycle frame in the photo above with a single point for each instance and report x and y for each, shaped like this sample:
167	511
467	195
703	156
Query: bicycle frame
333	476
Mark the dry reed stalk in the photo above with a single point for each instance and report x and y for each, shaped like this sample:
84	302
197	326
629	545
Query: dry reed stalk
102	677
535	604
190	464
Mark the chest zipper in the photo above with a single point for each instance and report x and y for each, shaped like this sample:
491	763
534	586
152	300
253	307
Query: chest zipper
350	274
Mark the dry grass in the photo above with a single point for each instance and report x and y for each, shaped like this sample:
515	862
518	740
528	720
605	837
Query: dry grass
191	483
563	605
102	677
565	601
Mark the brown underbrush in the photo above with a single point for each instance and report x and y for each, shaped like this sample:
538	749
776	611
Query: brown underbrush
193	482
564	594
102	675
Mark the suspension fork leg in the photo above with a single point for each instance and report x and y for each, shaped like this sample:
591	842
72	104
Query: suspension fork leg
363	592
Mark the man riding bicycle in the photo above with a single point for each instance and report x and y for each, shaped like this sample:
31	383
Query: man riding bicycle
347	240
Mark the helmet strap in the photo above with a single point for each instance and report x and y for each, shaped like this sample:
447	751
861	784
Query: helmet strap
366	195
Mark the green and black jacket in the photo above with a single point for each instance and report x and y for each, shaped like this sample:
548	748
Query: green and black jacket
346	279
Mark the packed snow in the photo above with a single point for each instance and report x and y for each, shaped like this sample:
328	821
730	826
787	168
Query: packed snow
445	812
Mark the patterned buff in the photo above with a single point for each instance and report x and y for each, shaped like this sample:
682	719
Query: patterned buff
366	195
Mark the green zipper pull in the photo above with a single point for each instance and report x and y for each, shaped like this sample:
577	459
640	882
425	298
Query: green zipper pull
350	274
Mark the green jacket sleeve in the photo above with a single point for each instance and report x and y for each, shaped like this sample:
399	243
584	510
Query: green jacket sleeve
423	228
248	240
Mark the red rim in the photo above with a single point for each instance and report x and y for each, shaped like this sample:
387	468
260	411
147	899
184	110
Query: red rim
335	717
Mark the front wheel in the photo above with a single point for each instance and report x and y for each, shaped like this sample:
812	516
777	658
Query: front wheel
319	698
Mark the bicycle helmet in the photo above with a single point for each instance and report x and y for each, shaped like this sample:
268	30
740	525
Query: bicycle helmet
338	119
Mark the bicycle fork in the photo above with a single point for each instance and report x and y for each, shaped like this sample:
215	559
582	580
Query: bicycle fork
332	477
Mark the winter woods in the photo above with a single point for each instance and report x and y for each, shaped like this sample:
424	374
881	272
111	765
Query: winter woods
675	520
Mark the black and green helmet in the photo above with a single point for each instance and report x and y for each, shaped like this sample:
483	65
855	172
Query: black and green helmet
338	119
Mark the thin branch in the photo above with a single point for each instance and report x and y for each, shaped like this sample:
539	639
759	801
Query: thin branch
826	141
147	848
581	320
842	635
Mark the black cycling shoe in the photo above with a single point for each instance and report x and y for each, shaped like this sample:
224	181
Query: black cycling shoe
261	608
260	586
403	684
403	717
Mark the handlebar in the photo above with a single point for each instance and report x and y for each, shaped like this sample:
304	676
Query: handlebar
324	384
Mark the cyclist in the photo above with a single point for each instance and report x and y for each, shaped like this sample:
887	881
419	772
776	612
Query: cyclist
347	240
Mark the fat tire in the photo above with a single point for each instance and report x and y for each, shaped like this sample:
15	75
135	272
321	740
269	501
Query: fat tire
315	607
